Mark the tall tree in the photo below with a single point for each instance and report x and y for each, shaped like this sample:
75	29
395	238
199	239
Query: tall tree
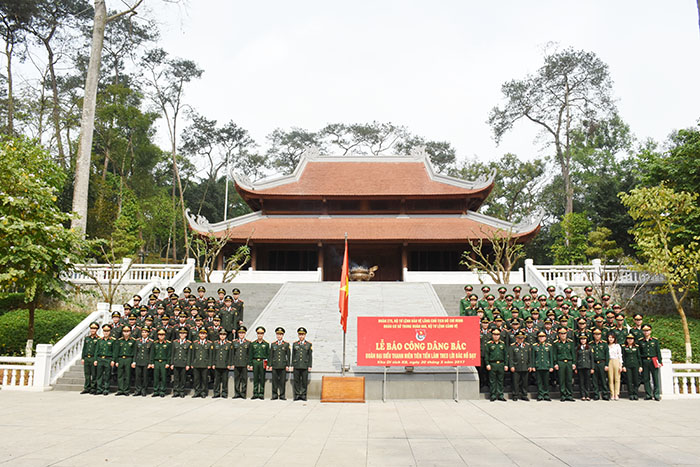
364	138
441	153
167	78
571	86
87	121
286	147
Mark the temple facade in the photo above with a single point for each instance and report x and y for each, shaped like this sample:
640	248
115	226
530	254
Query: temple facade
397	211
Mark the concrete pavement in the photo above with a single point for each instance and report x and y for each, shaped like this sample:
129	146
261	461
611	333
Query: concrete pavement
65	428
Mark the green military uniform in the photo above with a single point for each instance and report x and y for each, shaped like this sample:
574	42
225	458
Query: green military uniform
601	359
637	333
564	358
142	359
648	349
259	351
104	353
123	357
632	364
200	360
227	314
496	355
238	307
519	361
179	361
280	356
240	358
89	368
221	361
543	362
464	304
485	336
302	359
584	365
162	354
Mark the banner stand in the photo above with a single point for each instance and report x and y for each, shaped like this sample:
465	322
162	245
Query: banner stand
384	385
456	391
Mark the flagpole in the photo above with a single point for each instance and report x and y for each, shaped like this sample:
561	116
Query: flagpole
342	369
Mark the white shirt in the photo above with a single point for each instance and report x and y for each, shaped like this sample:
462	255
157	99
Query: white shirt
615	351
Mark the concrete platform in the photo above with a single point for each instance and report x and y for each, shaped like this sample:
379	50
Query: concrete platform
67	429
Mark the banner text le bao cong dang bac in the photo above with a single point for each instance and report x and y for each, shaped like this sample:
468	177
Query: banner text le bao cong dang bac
418	341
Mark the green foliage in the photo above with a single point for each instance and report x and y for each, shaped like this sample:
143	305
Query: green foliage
50	327
602	246
34	243
125	237
11	301
669	331
571	239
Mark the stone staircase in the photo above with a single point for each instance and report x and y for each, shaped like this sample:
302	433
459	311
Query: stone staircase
450	294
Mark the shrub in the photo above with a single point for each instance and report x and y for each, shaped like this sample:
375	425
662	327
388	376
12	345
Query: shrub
11	301
50	327
670	334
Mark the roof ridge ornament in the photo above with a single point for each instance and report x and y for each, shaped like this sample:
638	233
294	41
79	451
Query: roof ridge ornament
313	152
530	221
198	222
419	153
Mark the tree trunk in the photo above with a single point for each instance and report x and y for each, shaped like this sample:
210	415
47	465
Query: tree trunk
56	105
87	122
176	171
30	329
10	99
684	322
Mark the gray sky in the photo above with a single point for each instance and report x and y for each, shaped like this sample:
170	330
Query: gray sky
436	67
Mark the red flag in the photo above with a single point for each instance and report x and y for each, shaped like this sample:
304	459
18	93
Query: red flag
344	293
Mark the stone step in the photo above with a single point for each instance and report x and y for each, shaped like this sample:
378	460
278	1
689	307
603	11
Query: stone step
255	296
450	294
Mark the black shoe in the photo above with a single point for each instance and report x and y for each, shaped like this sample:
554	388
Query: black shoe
162	395
526	399
657	399
647	398
606	398
154	395
85	391
105	393
282	398
564	399
274	398
571	399
493	399
503	399
215	396
93	392
514	398
595	398
547	398
540	399
303	398
195	396
175	395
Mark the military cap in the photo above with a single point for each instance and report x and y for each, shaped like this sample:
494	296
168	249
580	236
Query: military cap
211	308
541	334
485	288
551	313
161	331
221	290
174	296
509	296
127	306
485	320
211	300
170	289
227	298
597	306
260	329
183	331
132	315
468	287
165	318
191	298
495	331
160	306
182	314
597	331
242	329
646	327
473	297
581	321
217	318
201	288
542	297
94	325
588	288
143	308
502	289
187	289
279	330
301	330
630	336
520	334
535	311
562	331
126	327
155	290
236	291
529	320
148	318
617	305
533	290
548	321
197	318
598	319
178	308
563	318
620	317
638	316
498	318
490	297
590	299
116	313
605	296
609	312
568	290
146	328
559	297
222	331
136	297
515	310
583	336
153	297
551	288
515	321
203	331
517	288
107	325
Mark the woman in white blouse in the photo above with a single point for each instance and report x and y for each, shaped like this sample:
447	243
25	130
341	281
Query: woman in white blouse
614	367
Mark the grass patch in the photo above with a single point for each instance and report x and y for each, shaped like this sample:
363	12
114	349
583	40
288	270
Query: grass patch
668	329
49	327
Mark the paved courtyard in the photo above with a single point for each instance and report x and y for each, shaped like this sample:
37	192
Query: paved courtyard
65	428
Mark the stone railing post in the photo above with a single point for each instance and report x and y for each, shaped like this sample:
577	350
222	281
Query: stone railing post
104	308
42	367
666	373
597	271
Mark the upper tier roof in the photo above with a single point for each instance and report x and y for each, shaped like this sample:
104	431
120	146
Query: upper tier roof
319	176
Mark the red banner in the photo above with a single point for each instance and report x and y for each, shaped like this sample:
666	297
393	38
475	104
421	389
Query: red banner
418	341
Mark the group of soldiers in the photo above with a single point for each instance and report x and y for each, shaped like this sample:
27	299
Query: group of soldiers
171	337
558	338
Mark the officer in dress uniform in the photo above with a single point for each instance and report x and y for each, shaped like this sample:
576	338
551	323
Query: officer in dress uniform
259	351
631	366
241	363
601	360
302	357
237	305
88	360
117	325
201	352
280	356
496	357
520	363
650	353
564	363
180	361
162	353
104	362
221	363
543	363
143	355
125	347
201	300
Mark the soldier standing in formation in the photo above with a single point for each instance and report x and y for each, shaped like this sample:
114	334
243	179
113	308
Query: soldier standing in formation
104	361
302	357
221	363
162	354
241	359
564	363
601	359
496	358
259	352
88	360
650	353
180	362
631	366
543	363
280	356
143	355
520	363
124	355
200	362
584	366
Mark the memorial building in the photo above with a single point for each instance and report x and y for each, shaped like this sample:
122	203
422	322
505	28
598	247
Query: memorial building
397	211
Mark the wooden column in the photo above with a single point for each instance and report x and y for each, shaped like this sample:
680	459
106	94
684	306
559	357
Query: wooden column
404	258
320	257
253	256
